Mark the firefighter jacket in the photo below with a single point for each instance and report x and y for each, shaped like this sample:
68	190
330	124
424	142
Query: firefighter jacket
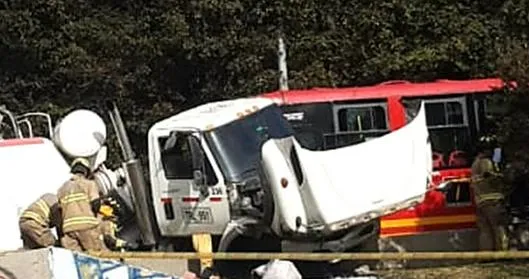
487	181
44	211
74	200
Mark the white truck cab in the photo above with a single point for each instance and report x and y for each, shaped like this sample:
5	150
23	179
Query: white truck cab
198	157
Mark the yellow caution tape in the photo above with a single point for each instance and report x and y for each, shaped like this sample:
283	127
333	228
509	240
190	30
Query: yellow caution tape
490	255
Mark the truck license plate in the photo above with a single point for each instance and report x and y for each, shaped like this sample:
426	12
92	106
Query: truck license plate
197	215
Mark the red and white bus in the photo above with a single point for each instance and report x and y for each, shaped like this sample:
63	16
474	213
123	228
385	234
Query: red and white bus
326	118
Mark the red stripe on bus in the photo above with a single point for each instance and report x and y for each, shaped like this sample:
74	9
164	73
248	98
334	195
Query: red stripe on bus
215	199
402	231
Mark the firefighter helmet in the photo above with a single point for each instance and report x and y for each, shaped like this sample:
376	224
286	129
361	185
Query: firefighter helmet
487	142
106	210
80	165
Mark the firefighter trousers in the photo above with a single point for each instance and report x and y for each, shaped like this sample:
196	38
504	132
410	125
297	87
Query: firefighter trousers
34	235
84	240
492	227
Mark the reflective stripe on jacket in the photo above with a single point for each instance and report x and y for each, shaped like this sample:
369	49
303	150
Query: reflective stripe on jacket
44	211
74	199
486	188
489	197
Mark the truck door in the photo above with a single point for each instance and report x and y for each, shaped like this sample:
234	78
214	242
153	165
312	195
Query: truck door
189	207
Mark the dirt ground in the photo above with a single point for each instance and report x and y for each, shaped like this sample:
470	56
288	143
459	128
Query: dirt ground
496	270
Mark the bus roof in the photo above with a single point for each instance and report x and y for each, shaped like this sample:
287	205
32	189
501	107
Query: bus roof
384	90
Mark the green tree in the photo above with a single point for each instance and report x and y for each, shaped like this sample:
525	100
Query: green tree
159	57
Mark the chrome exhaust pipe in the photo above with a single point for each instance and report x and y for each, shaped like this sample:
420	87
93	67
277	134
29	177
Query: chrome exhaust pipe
134	174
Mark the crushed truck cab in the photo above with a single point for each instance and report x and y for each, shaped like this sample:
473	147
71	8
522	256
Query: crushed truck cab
234	168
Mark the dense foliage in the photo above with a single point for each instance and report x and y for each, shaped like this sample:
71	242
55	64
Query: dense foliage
157	57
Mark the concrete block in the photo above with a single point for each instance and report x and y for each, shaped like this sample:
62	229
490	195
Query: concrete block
58	263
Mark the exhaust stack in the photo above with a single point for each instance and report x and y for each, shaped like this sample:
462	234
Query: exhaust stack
134	173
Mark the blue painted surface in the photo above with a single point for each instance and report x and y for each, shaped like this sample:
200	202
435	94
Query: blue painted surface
101	269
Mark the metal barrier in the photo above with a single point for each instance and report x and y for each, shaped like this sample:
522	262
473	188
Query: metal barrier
482	255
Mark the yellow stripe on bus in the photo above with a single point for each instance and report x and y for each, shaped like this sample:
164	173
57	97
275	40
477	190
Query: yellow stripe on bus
415	222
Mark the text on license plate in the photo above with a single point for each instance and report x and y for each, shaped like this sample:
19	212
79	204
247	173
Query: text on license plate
197	215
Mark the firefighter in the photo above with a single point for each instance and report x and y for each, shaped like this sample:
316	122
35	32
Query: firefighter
80	226
37	221
489	195
108	226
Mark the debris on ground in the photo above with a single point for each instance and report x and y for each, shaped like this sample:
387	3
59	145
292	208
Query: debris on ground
512	269
276	269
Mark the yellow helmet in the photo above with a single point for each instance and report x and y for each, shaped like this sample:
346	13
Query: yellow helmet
81	161
106	211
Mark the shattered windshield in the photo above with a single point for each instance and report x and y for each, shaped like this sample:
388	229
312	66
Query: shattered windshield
237	145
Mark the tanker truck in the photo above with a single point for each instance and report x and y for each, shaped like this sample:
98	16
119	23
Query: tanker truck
231	168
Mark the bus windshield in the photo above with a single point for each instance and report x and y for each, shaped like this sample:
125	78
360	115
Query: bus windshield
237	145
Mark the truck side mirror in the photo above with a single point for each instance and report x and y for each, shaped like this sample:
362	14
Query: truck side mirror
198	160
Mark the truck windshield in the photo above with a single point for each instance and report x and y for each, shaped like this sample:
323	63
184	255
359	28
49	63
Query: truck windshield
237	145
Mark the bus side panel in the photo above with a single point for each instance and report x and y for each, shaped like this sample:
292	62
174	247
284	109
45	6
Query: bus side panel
438	213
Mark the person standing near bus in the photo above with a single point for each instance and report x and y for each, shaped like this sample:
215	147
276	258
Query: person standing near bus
489	195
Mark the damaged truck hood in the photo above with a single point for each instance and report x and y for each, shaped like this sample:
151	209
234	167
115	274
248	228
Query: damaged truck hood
346	186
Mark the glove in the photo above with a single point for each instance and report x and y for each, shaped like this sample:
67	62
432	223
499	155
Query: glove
209	273
111	202
96	204
109	241
206	273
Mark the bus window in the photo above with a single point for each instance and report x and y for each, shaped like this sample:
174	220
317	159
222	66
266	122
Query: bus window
361	119
458	195
356	123
486	110
445	113
310	122
447	121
